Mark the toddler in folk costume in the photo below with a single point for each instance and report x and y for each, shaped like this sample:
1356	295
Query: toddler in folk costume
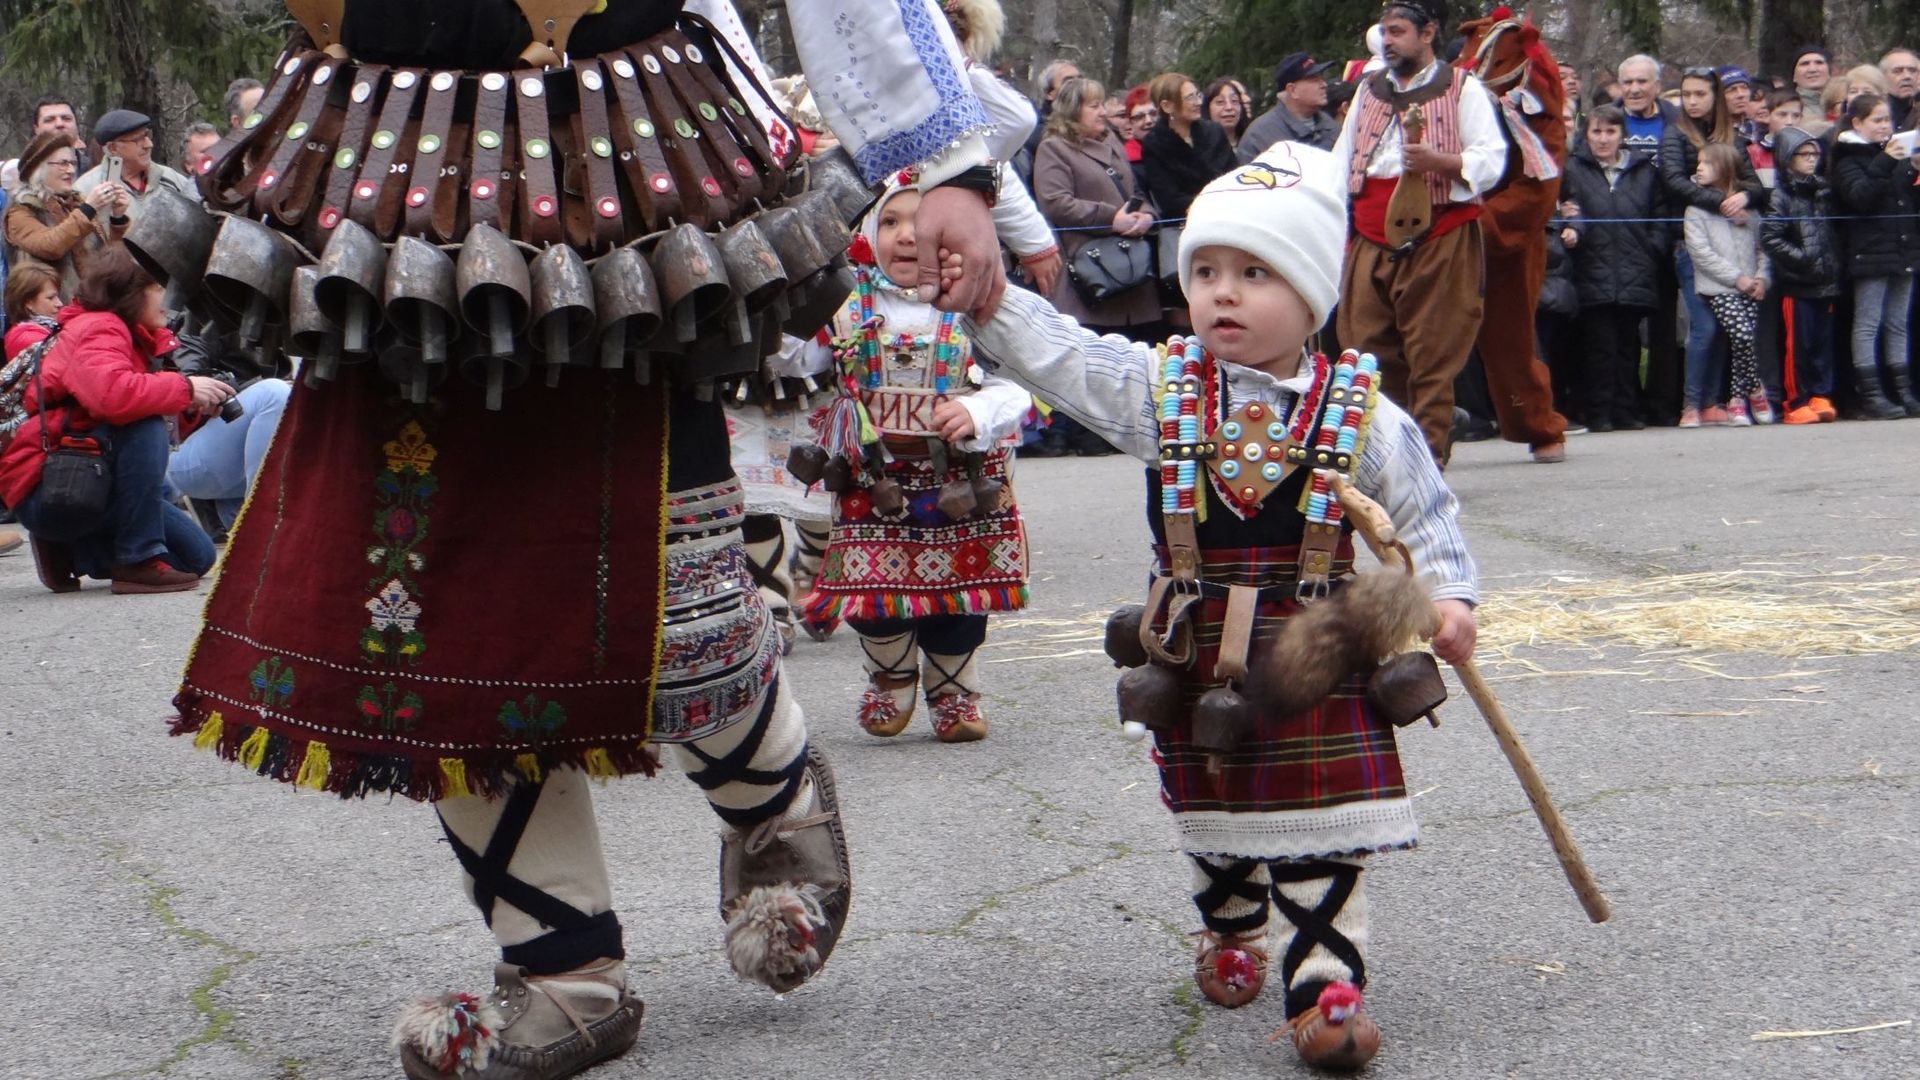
1260	661
926	540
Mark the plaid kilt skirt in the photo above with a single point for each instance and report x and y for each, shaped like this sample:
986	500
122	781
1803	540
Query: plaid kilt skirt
1322	783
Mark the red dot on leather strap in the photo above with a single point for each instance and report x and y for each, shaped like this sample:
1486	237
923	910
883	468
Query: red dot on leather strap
609	207
482	189
363	190
268	179
743	166
543	206
417	197
661	182
711	186
329	217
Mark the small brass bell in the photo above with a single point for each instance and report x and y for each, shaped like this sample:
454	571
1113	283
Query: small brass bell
807	463
837	476
888	499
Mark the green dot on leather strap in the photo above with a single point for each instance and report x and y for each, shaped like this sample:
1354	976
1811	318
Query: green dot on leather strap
252	120
429	143
536	148
738	109
685	129
383	139
488	140
707	110
643	128
602	146
297	132
344	159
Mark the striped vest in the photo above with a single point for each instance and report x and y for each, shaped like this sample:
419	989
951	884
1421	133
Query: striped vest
1379	105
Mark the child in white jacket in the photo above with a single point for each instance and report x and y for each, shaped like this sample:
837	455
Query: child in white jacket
1731	274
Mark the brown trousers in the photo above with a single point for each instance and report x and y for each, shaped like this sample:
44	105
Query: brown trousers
1419	316
1518	383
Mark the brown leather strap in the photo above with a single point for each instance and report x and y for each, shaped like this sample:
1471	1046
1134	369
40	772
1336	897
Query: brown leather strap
1236	633
539	189
363	96
377	165
435	155
552	22
321	86
1317	549
637	140
600	191
701	199
1171	610
490	187
320	18
314	154
726	160
735	112
239	158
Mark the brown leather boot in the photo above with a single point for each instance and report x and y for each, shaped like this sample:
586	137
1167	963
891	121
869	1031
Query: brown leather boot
532	1027
152	576
1336	1034
54	563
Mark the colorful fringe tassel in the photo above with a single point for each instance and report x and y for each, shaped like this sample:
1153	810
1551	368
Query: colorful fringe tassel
868	605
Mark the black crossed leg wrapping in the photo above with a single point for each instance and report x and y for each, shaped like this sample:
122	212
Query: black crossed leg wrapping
1315	926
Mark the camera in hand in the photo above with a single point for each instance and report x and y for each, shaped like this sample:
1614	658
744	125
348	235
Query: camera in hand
230	410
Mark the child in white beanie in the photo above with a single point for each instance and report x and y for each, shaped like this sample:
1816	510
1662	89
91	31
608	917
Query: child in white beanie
1279	795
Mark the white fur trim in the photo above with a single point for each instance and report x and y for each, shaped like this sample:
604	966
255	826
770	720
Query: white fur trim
986	24
771	933
429	1024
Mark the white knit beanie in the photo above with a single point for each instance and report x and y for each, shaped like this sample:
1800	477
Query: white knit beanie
1287	208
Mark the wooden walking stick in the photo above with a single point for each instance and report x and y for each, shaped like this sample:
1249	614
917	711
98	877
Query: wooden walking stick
1376	528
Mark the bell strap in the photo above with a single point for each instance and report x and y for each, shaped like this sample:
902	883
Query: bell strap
637	140
377	165
539	191
593	142
701	199
320	18
552	24
433	197
1317	549
746	72
368	83
735	112
227	182
1169	606
292	139
726	160
490	187
1236	633
313	148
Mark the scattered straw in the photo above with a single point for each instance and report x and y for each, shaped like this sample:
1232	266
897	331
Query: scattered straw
1824	607
1770	1036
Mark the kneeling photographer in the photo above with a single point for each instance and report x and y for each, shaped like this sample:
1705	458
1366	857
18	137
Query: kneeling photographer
216	461
86	474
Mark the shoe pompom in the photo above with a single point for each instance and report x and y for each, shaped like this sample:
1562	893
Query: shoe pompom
771	935
1339	1001
454	1032
1235	968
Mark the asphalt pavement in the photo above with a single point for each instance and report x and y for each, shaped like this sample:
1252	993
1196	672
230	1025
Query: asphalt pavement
1020	908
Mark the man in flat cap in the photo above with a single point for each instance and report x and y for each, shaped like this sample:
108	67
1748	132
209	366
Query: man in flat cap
128	136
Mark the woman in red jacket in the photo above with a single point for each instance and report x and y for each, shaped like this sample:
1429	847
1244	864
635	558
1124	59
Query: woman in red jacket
98	377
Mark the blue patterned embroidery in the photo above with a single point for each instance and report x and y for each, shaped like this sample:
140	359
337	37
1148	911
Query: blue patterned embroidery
960	113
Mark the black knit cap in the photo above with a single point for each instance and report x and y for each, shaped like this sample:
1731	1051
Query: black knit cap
1421	12
1805	50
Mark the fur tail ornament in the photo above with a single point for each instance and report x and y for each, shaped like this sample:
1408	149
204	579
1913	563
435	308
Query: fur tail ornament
1373	616
454	1032
771	934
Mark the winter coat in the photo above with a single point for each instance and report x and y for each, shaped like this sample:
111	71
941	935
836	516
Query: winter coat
1176	171
1616	263
25	335
97	372
1723	251
1679	158
1869	183
1080	183
53	231
1557	293
1800	243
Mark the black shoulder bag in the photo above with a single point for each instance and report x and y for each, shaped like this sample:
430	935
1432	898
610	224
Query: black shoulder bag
1109	265
76	484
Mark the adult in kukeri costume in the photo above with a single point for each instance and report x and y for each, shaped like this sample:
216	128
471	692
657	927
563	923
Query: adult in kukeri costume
1421	146
1506	53
362	642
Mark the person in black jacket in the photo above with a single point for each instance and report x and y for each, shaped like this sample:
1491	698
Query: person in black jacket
1616	264
1184	151
1799	240
1703	118
1873	177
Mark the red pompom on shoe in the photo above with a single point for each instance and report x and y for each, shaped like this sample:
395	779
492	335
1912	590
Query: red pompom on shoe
1235	968
1336	1033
